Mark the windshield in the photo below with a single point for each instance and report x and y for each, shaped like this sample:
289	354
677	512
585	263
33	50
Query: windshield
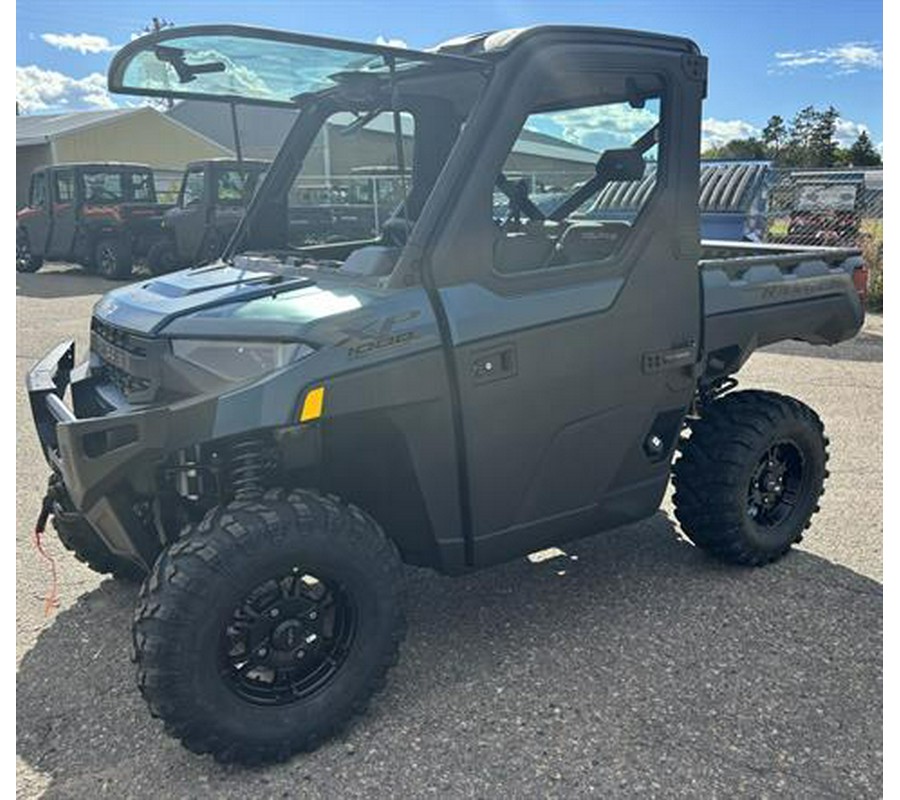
253	65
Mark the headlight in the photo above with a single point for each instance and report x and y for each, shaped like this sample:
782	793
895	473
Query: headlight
238	361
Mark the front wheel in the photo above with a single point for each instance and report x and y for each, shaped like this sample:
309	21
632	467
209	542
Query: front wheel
26	261
267	627
750	476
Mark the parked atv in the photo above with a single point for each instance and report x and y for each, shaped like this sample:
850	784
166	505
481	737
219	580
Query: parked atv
211	201
102	216
270	437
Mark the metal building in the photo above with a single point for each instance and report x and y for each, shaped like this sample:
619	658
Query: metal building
141	135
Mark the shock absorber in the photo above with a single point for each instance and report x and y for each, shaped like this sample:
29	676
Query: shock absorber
247	468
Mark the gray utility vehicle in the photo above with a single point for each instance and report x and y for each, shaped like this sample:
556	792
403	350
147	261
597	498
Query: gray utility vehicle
270	437
102	216
211	201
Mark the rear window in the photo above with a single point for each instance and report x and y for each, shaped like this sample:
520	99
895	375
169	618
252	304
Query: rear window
101	188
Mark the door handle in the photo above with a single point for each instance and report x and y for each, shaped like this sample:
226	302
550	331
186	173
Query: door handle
495	364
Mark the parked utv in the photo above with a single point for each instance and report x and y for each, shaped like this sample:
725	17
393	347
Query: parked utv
826	212
271	436
211	201
102	216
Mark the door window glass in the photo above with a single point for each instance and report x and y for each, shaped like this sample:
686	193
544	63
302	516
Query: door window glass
65	187
192	193
234	187
102	188
39	190
142	188
557	198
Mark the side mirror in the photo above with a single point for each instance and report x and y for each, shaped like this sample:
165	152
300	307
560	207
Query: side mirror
626	164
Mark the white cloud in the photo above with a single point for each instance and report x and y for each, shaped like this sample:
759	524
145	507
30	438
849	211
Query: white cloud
386	42
45	90
846	131
585	126
82	42
845	58
716	132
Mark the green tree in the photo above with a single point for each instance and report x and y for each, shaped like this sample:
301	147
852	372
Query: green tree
811	140
774	135
863	152
746	149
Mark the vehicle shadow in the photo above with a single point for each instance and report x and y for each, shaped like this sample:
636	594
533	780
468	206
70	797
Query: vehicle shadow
66	280
632	665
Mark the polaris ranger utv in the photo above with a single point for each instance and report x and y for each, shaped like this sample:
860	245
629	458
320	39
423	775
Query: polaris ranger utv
102	216
211	201
271	436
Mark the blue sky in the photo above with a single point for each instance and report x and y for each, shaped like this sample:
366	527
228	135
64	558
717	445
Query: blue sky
766	57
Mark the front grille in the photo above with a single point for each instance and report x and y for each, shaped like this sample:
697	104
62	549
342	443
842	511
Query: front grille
126	361
119	338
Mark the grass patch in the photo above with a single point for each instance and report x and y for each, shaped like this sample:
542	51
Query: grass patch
873	254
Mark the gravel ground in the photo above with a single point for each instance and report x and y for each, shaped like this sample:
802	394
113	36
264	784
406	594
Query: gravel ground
630	666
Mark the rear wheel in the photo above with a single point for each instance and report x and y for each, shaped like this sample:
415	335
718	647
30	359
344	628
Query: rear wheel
750	476
162	258
269	626
26	261
113	259
211	248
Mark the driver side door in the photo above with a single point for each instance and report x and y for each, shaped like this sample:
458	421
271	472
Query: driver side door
573	339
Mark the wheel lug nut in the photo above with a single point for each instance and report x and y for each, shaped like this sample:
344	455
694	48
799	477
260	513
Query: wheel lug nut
262	652
273	612
300	654
313	615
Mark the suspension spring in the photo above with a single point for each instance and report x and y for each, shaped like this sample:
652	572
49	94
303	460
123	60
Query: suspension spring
247	468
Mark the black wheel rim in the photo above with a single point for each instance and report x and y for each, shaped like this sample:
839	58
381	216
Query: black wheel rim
776	485
23	256
107	261
287	639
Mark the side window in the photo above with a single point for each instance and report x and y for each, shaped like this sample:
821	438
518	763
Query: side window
574	183
142	188
192	192
64	187
234	187
39	190
103	188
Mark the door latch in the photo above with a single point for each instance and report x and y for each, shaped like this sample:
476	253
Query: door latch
673	358
494	365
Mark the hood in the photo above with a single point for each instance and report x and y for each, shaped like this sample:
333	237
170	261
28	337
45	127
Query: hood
222	300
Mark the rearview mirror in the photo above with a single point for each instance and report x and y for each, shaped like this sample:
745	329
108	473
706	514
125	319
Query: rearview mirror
626	164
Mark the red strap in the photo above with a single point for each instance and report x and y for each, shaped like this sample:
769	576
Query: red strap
51	599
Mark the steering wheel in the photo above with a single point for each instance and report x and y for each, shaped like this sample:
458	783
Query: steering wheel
395	231
519	201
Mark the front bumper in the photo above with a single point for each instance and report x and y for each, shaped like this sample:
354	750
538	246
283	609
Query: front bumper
111	456
109	462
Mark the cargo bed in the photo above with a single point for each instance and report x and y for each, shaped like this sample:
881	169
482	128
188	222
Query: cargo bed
757	294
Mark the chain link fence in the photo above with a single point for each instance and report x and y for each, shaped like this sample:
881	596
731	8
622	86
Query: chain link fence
833	207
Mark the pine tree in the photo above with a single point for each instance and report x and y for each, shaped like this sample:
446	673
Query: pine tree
863	152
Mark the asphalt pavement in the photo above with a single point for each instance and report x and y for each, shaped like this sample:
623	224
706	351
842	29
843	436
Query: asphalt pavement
630	666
